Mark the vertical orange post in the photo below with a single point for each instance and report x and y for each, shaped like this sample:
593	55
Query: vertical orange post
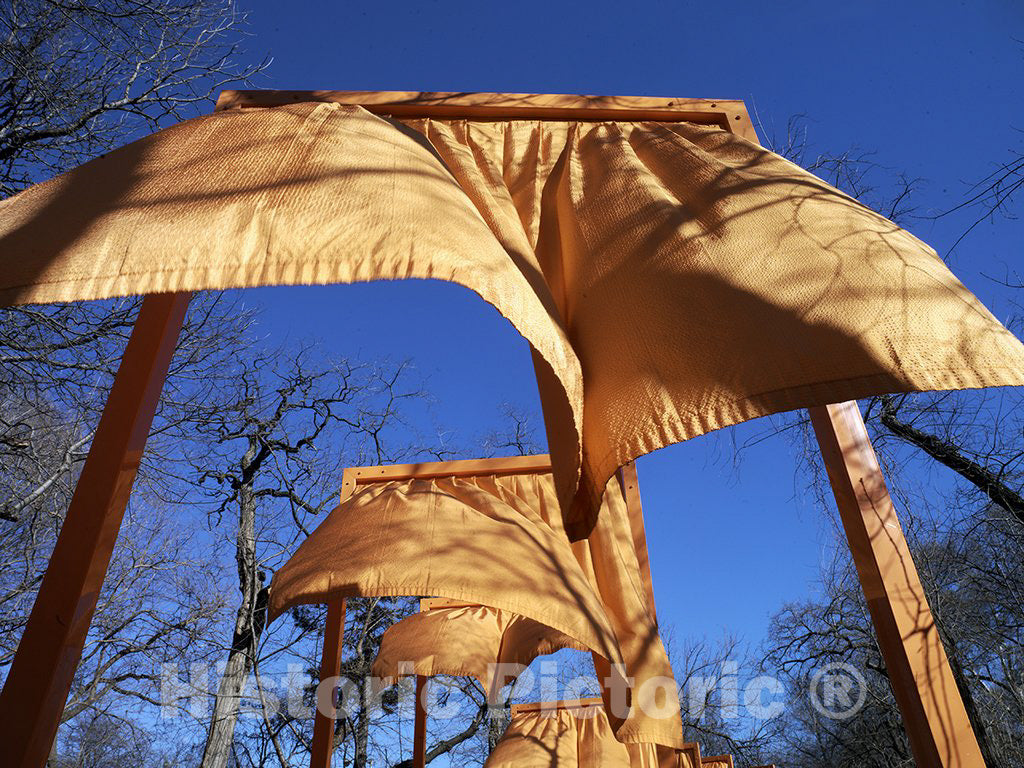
330	666
631	493
40	677
933	713
419	734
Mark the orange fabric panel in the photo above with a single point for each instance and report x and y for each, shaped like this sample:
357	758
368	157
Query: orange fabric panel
703	281
608	557
569	737
655	756
674	278
497	541
491	540
578	737
466	640
303	194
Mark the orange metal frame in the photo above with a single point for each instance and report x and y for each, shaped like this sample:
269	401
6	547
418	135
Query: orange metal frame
330	666
552	706
44	665
730	114
512	465
39	680
353	477
922	682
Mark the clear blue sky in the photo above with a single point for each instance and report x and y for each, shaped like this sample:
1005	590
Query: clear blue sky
933	87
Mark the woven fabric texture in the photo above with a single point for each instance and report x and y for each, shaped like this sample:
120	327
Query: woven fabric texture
569	737
467	641
498	541
672	278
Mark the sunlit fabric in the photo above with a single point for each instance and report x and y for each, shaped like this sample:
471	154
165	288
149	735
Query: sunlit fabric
493	540
654	756
467	641
569	737
498	541
578	736
673	278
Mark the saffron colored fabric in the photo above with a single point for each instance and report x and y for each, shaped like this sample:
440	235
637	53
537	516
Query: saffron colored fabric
672	278
467	640
492	540
566	737
498	541
578	736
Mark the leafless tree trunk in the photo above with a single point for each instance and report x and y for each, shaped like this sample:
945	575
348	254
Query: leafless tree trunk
279	446
77	78
994	484
249	622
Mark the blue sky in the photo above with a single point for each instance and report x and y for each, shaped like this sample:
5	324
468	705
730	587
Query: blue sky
933	88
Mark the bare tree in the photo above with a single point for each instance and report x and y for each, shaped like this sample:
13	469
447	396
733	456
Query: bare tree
79	77
270	460
707	673
372	728
967	438
103	741
965	539
515	435
56	365
972	572
991	196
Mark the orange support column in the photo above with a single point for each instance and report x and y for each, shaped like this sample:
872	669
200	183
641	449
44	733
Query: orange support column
933	713
330	666
40	677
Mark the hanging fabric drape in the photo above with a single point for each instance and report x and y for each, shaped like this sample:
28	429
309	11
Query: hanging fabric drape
493	540
566	737
655	756
498	541
577	735
673	278
466	640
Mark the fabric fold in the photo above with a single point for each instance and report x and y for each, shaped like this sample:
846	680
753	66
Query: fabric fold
566	737
492	540
672	278
498	541
578	735
655	756
467	640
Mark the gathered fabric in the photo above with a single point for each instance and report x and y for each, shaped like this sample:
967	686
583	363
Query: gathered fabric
657	756
578	736
566	737
672	278
497	541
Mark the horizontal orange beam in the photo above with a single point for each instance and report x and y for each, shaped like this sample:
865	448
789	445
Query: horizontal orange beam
547	706
507	465
434	603
508	106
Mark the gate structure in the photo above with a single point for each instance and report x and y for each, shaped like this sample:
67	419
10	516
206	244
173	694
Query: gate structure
48	250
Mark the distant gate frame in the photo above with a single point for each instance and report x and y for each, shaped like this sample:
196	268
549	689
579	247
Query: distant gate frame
352	477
